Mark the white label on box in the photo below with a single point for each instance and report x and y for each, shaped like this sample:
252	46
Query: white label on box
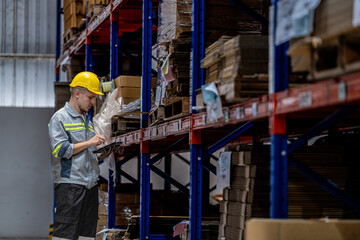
164	130
342	91
240	113
154	131
305	99
227	117
179	124
223	171
254	109
204	119
136	136
356	13
149	132
158	95
176	127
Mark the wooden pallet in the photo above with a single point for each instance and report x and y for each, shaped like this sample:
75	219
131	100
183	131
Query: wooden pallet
327	58
176	107
121	125
179	90
338	56
183	32
239	89
70	36
156	116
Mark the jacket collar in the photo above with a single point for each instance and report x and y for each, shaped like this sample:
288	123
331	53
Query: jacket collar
72	111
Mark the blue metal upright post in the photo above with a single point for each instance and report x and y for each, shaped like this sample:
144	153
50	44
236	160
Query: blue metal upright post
145	109
58	43
196	149
114	43
112	200
88	49
114	38
279	155
195	190
197	47
88	53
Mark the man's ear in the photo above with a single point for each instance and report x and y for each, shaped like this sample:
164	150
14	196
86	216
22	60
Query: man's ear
77	93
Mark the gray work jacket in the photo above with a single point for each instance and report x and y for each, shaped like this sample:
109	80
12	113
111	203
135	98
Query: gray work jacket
66	128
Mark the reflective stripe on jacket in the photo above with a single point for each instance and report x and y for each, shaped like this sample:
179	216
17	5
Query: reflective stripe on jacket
66	128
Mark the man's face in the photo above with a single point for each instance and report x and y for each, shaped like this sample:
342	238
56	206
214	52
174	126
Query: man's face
85	99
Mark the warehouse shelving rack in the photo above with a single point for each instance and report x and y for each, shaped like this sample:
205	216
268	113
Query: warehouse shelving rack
272	114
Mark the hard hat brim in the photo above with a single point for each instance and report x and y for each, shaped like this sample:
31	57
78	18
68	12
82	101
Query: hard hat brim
98	93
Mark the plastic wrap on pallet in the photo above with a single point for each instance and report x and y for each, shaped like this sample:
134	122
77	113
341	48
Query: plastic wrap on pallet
102	120
112	107
167	21
161	54
131	110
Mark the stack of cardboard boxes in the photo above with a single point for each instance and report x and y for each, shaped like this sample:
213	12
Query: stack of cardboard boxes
174	38
249	193
238	65
75	16
247	196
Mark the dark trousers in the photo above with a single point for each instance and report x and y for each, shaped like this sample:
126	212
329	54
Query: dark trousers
76	211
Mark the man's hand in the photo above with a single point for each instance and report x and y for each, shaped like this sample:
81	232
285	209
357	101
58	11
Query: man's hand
97	140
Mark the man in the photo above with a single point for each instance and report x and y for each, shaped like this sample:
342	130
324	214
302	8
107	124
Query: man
75	166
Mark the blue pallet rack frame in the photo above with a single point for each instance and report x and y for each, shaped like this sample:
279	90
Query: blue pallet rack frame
145	109
196	151
279	149
114	72
278	161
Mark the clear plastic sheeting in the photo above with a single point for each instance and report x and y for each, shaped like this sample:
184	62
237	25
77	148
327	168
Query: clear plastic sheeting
167	21
102	120
131	110
173	14
110	108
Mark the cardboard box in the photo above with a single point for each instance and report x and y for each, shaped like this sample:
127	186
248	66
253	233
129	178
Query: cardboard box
299	229
200	100
128	81
333	17
129	92
132	81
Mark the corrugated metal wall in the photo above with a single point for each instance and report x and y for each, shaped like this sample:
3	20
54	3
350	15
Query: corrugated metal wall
27	53
27	82
28	26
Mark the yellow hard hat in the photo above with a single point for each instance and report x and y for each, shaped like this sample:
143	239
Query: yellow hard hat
87	80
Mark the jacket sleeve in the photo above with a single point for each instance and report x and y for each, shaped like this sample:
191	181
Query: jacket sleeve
60	142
